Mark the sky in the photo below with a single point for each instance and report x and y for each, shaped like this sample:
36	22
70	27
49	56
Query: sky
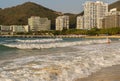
65	6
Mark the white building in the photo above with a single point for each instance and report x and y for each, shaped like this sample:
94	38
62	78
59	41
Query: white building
80	22
62	22
4	29
20	28
93	12
37	24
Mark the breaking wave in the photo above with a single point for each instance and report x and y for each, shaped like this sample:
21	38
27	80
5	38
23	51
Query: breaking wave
31	44
64	66
39	40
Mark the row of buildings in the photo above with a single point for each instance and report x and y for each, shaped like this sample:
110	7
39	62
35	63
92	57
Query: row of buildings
96	14
13	29
35	23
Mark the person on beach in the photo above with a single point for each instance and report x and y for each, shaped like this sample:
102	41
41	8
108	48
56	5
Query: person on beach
108	40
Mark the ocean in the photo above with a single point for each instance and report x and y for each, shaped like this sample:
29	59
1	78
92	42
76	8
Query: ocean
55	59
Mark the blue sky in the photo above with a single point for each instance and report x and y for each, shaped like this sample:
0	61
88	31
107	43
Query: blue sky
71	6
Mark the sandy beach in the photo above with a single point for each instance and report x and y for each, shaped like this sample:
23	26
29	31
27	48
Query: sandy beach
106	74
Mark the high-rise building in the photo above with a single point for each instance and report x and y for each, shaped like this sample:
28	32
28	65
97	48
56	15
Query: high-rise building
62	22
37	24
93	12
80	22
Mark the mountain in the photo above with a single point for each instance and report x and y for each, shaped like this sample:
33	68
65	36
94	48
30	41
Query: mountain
20	14
115	5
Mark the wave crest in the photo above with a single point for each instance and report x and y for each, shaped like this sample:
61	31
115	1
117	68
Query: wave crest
33	45
39	40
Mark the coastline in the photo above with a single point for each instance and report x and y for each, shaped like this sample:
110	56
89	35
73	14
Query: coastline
44	36
111	73
58	36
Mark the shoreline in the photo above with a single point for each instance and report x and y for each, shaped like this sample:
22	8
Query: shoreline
43	36
58	36
111	73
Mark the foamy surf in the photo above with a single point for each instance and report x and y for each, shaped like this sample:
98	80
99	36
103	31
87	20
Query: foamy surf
64	66
31	44
39	40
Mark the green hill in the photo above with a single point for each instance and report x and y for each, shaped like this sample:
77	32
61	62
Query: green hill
115	5
20	14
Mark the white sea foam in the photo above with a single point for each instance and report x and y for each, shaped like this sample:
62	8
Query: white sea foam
64	66
52	44
39	40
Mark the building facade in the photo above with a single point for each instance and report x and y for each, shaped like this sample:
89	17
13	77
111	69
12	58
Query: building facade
39	24
13	29
20	28
62	22
80	22
93	12
112	19
4	29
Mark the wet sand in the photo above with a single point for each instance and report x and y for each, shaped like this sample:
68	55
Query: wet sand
106	74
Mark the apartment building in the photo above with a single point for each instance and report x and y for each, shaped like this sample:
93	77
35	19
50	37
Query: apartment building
19	28
112	19
39	24
13	29
93	12
80	22
62	22
4	29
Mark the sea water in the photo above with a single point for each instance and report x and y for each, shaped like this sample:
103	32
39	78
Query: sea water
55	59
